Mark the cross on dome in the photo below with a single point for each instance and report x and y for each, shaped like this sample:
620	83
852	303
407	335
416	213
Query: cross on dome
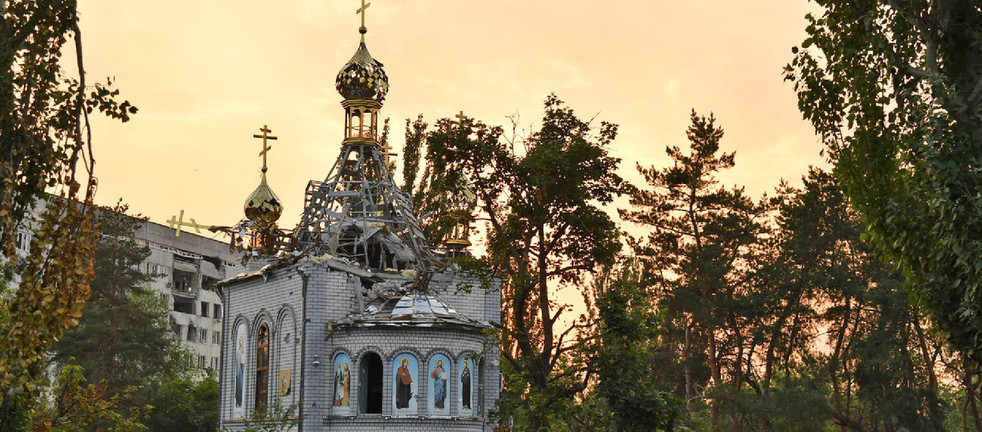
265	136
361	11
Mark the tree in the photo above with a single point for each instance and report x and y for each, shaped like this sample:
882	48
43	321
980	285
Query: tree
43	136
702	236
545	231
895	91
625	335
182	404
880	366
124	339
52	292
78	406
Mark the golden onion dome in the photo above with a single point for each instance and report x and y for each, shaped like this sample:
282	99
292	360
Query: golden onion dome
362	77
263	206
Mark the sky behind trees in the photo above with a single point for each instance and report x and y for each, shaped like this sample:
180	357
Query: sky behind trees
207	75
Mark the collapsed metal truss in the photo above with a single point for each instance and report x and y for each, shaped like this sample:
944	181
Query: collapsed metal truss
358	213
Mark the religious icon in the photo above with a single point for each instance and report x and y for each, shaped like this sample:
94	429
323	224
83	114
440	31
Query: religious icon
238	369
404	382
465	386
285	378
342	380
439	376
346	380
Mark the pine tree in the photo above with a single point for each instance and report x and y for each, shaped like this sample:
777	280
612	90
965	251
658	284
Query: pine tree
124	337
697	252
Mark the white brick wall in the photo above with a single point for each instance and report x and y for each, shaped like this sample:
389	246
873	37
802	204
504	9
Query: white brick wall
299	301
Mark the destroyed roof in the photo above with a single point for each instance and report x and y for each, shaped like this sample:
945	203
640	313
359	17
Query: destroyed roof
412	309
358	213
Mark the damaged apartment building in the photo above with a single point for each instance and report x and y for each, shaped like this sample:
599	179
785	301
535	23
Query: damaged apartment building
187	268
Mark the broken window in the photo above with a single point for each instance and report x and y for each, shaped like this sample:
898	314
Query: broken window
183	281
208	282
183	305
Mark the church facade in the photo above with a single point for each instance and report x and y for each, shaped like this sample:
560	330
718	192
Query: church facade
357	324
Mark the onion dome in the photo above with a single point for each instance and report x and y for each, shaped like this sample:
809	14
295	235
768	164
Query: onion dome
263	206
362	77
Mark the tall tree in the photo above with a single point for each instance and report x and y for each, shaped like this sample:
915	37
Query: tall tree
545	231
878	362
895	91
124	338
701	235
625	334
43	136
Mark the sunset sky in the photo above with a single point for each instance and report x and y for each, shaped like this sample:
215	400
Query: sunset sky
206	75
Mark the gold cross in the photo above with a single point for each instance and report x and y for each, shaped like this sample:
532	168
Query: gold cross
460	116
361	11
176	223
386	153
265	136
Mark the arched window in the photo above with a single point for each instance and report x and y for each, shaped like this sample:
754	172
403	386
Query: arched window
370	384
262	367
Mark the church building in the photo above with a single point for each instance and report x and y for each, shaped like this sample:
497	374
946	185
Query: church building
355	322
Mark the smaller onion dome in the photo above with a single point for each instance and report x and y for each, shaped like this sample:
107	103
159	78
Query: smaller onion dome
362	77
263	206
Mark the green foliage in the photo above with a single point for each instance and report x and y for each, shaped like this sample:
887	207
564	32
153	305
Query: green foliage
53	289
626	334
183	404
44	134
698	258
124	340
874	368
545	230
44	123
278	418
895	91
76	406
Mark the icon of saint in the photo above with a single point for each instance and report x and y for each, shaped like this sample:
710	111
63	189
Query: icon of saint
465	387
439	376
404	382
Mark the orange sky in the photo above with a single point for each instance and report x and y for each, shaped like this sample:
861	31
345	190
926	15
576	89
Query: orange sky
207	75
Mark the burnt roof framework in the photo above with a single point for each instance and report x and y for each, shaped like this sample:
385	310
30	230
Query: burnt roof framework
358	213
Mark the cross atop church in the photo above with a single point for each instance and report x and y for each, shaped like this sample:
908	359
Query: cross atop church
265	136
387	153
361	11
460	117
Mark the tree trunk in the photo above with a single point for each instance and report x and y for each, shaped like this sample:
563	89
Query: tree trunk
937	417
686	352
972	395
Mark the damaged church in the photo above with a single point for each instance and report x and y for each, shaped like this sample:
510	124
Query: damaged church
354	321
